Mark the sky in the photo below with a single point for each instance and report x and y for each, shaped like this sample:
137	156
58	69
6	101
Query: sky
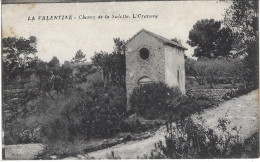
63	38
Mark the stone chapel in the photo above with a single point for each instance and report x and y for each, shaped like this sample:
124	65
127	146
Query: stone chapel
153	58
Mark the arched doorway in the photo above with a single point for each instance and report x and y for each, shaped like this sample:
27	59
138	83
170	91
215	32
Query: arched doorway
144	81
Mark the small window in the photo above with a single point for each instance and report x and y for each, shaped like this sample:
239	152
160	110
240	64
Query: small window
144	53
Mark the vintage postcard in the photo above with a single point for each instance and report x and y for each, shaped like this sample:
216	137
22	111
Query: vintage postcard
130	79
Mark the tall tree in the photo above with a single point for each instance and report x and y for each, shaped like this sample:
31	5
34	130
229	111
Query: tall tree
102	60
112	65
53	77
17	55
79	57
242	18
55	62
210	39
119	59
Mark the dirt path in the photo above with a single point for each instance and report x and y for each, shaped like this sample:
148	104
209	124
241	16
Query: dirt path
241	111
132	149
23	151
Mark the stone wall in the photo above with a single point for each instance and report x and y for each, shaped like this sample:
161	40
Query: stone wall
216	94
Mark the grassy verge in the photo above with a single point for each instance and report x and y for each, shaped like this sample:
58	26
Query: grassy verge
62	149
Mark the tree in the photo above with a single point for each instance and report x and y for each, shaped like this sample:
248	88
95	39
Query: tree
216	70
83	71
79	57
242	18
210	39
102	60
224	42
234	71
64	79
196	69
53	77
17	55
55	62
112	65
44	75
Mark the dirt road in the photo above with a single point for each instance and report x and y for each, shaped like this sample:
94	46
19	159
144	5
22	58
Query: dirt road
241	112
132	149
23	151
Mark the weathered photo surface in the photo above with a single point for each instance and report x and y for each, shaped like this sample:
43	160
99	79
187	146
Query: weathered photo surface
130	80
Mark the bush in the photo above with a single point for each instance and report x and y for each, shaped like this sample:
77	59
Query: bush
189	105
153	100
215	71
186	140
237	92
93	113
160	101
134	123
82	114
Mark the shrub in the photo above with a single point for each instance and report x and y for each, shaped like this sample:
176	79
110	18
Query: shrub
94	112
82	114
215	71
153	100
186	140
189	105
134	123
160	101
237	92
251	146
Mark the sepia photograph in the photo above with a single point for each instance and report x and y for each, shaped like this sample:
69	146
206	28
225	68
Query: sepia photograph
92	80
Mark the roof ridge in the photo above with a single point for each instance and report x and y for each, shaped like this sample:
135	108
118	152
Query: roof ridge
160	38
165	40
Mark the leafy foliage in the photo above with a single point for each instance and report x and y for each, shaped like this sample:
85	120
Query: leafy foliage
18	53
91	113
189	105
79	57
53	77
153	100
160	101
186	140
237	92
242	18
80	114
112	65
83	71
210	39
215	71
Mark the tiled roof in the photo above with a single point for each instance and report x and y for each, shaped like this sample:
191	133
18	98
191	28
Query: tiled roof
160	38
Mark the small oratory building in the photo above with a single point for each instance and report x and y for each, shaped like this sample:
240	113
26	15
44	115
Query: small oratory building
152	58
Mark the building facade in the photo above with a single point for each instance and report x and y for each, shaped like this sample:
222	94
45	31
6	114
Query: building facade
152	58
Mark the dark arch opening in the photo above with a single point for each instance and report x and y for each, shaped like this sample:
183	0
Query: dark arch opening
144	81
